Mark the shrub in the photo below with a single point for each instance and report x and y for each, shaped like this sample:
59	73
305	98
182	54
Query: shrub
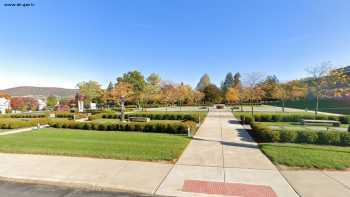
288	136
344	119
263	133
306	137
185	116
290	117
11	123
246	119
37	115
329	137
345	139
156	127
69	115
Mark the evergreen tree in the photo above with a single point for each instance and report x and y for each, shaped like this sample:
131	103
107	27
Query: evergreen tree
228	83
237	80
110	87
203	83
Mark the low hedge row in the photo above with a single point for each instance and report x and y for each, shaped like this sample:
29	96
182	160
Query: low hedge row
265	134
278	117
155	116
24	116
10	123
158	127
69	115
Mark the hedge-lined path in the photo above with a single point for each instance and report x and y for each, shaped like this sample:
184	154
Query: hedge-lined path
220	154
21	130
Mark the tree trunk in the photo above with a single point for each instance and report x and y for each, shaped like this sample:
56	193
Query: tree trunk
316	108
122	115
241	103
251	103
282	105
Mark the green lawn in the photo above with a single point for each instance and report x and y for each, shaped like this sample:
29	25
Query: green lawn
339	106
308	156
100	144
299	125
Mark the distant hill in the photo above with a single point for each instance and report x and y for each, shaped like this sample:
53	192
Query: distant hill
40	91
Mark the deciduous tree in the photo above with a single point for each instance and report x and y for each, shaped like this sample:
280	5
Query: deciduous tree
91	91
51	101
318	80
253	93
137	80
212	94
24	103
281	92
232	95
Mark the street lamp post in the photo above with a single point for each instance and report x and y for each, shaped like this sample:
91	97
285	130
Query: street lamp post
122	108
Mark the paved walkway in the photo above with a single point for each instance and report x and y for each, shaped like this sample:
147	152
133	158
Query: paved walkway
144	177
221	158
21	130
223	152
16	189
314	183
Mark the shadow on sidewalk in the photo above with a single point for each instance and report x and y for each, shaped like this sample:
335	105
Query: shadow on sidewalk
244	135
234	122
244	145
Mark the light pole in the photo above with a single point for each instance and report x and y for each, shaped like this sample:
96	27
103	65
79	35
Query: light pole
122	108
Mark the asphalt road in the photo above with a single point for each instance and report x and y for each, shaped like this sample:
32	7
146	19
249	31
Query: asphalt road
14	189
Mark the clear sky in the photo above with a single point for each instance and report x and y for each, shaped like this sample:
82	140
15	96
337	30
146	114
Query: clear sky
59	43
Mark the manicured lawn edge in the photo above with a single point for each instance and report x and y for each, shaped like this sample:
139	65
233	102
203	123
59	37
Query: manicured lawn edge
96	144
262	133
307	156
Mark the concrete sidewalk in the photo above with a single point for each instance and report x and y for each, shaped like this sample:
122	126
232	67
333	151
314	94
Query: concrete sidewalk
144	177
21	130
223	152
316	183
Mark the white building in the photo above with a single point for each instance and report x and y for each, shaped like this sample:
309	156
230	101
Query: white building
41	105
4	105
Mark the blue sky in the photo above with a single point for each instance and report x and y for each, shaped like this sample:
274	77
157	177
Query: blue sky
59	43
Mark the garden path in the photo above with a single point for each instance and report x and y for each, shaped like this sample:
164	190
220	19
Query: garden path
222	159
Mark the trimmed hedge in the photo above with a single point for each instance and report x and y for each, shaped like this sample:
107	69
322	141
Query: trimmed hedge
157	127
191	116
69	115
24	116
10	123
263	133
289	117
44	115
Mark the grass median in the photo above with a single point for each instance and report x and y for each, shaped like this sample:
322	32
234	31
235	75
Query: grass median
98	144
308	156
